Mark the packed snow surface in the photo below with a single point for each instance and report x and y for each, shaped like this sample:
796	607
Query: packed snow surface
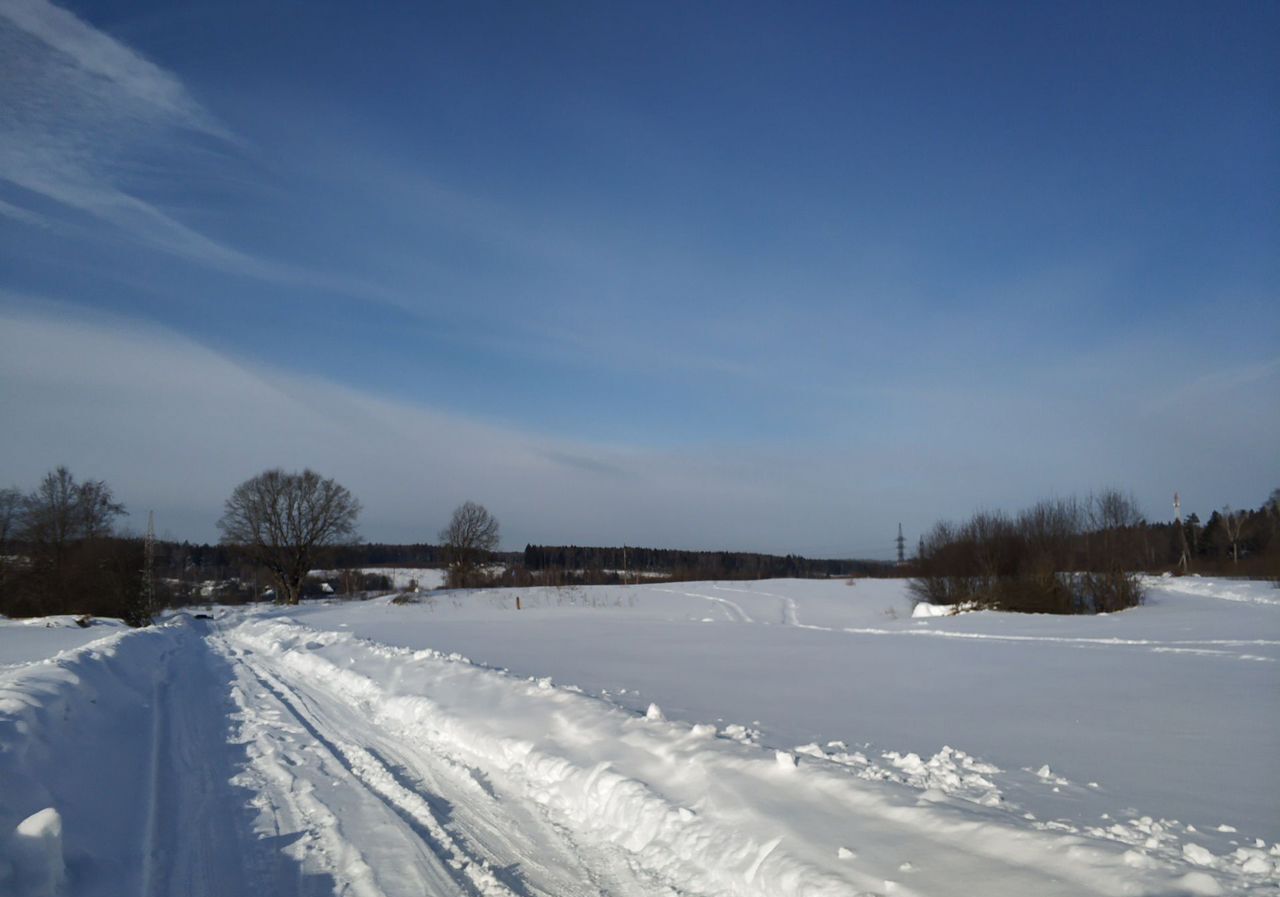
773	738
22	641
401	578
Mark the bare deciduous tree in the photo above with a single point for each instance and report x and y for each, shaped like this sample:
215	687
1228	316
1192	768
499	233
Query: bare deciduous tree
61	512
1117	522
471	534
10	520
10	514
1114	509
280	520
1233	520
64	528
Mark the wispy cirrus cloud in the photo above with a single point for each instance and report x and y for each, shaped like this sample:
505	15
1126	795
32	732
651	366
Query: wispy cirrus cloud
84	119
79	110
82	389
173	425
26	216
123	75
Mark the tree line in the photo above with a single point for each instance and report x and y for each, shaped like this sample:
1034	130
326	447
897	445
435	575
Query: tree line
1242	542
595	564
60	552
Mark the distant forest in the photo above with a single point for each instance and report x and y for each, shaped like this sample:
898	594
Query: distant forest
1228	542
194	564
598	563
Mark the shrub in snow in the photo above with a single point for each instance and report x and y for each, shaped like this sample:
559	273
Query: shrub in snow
1019	562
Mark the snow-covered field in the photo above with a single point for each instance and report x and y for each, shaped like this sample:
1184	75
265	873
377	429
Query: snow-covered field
400	577
773	738
22	641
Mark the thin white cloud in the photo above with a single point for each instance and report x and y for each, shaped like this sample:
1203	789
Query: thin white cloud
82	115
140	219
95	53
174	426
26	216
76	107
1220	385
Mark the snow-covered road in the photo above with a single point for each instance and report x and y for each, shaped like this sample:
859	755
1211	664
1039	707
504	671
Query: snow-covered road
285	754
383	807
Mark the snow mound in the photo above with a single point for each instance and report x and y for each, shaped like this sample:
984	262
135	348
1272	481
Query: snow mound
925	609
31	863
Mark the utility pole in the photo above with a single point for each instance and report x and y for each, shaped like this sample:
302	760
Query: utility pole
1182	535
902	556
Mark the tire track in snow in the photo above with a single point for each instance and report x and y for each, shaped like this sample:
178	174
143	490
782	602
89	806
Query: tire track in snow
647	786
790	615
1178	646
1202	647
1197	588
290	800
504	829
191	766
157	744
464	871
732	610
662	847
449	806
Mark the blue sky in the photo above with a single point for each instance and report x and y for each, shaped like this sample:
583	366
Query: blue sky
744	276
